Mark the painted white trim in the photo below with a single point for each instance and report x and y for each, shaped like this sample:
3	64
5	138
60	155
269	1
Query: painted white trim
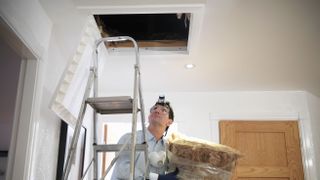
307	148
12	151
123	6
149	51
20	29
24	143
22	139
74	68
35	107
305	144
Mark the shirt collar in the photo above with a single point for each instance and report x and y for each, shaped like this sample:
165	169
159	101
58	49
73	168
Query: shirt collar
150	136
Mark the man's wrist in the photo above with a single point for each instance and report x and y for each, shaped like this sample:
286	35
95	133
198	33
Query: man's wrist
153	176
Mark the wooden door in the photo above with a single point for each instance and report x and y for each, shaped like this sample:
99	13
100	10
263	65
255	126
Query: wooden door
104	154
271	149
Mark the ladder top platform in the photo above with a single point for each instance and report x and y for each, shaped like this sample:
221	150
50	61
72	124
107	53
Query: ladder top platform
111	105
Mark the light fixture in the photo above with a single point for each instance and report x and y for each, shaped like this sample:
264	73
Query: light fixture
189	66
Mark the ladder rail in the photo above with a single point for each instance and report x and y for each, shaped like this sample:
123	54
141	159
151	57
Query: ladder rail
95	94
76	132
134	126
144	129
87	169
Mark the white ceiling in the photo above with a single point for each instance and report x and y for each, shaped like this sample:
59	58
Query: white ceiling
239	45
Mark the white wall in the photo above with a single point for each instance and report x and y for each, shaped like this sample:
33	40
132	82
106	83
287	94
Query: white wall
60	51
197	111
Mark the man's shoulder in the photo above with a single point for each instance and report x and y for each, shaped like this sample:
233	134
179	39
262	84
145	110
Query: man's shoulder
139	134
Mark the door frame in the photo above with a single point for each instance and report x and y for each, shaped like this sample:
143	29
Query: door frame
24	129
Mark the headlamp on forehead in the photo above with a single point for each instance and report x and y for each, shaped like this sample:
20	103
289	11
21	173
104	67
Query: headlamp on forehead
161	99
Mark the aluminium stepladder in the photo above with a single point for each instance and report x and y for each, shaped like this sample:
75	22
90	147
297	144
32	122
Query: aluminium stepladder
111	105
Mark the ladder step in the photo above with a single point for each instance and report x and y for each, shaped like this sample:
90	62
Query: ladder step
117	147
111	105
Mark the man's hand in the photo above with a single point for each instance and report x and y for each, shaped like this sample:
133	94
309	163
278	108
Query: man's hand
169	176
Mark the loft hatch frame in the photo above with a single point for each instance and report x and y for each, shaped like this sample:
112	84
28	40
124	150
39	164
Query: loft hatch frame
194	7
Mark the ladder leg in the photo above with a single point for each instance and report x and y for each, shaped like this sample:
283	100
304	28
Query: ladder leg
77	129
95	94
95	165
87	169
134	124
95	155
144	130
74	143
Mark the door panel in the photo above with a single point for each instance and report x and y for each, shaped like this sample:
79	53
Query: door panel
256	144
271	149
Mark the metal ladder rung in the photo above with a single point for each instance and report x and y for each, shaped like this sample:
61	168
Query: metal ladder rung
111	105
117	147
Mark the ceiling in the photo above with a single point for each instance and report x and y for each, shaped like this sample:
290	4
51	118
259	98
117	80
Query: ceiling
236	46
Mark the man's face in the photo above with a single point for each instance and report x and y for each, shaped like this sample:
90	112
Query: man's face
159	115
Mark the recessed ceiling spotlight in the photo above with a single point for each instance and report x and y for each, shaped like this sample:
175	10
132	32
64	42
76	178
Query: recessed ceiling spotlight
189	66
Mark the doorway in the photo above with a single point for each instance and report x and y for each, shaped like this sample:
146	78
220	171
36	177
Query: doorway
9	77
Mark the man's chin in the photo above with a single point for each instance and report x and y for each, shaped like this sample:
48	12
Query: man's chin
156	120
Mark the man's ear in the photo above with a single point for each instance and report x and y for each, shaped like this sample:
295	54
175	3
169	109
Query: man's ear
170	122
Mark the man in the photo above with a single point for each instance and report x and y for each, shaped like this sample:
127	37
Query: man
160	118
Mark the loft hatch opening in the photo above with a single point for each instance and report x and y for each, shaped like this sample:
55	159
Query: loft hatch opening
160	32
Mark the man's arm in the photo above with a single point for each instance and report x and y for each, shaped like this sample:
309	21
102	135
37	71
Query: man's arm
122	166
169	176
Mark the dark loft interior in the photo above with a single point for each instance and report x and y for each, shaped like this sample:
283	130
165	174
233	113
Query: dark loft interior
147	29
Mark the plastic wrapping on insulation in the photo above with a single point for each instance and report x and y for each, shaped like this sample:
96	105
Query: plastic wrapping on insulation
198	159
